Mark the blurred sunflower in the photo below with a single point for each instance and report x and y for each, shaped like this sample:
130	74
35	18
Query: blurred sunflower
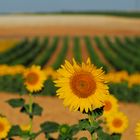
34	78
137	130
117	123
110	105
81	86
4	127
50	73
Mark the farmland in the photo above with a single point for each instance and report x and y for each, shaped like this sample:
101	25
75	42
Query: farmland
112	44
114	54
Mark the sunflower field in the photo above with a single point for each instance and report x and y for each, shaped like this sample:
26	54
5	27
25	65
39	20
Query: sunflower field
114	54
90	74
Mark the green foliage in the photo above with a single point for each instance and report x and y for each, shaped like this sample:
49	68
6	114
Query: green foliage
77	50
14	52
46	55
16	102
12	83
49	127
36	110
117	47
130	14
114	60
93	55
61	56
124	93
15	131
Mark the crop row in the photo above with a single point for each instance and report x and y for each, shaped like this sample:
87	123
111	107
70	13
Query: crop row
118	52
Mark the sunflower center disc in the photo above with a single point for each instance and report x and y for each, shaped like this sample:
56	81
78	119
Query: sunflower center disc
32	78
107	106
83	84
1	127
117	123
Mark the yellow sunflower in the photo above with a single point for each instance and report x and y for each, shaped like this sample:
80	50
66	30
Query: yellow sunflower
4	127
110	106
117	123
137	130
81	86
50	73
34	78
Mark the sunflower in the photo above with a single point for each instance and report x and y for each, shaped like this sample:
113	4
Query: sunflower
34	78
4	127
81	86
110	106
117	122
137	130
50	73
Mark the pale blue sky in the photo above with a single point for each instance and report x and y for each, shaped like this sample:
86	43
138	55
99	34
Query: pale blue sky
65	5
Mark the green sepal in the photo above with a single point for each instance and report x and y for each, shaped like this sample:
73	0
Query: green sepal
64	129
49	127
16	102
97	113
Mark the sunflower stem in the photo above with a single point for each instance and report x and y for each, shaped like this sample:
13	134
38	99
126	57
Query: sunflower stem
93	137
30	111
91	121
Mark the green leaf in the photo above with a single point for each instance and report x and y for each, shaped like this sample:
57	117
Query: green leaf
116	137
83	138
48	137
84	124
102	135
15	131
97	113
75	129
36	110
16	102
49	127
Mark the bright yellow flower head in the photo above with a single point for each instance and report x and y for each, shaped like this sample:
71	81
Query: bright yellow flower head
117	123
81	86
34	78
137	130
110	106
50	72
4	127
25	127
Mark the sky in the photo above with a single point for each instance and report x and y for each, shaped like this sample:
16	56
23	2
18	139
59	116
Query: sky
67	5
